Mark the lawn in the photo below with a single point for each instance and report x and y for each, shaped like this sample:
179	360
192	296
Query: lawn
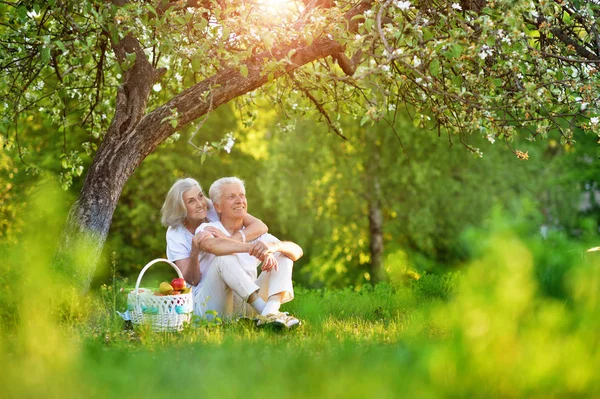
488	331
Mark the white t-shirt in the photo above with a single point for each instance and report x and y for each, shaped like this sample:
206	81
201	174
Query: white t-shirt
249	262
179	241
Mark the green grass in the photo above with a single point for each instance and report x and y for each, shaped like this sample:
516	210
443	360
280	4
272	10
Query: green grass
521	320
489	332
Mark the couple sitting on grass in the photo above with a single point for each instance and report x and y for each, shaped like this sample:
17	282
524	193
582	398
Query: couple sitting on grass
218	246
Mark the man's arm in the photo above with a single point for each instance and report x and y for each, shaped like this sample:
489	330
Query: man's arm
286	248
224	246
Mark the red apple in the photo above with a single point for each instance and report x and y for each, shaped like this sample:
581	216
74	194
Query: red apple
178	284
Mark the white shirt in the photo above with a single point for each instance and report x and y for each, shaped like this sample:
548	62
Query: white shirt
179	241
249	262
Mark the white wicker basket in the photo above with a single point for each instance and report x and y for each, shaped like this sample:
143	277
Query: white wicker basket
164	313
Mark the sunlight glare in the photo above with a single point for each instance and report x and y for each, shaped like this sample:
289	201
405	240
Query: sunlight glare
275	7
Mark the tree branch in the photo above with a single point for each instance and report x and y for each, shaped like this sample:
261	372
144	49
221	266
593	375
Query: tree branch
320	108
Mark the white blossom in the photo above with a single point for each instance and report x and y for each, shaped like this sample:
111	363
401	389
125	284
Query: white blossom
594	120
403	5
230	142
456	6
157	87
490	138
416	61
485	52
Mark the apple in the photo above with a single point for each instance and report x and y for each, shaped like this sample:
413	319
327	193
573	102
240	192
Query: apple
165	288
178	284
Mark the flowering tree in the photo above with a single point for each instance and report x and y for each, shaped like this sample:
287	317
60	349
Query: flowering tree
130	74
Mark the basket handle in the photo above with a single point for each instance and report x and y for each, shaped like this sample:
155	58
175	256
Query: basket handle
139	280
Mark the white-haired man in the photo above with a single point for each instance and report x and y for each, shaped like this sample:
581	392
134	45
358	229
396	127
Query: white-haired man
232	266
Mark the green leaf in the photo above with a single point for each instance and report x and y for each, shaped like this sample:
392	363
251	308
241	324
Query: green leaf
244	70
268	40
60	45
173	123
434	67
416	121
427	34
309	39
456	50
364	120
45	54
196	64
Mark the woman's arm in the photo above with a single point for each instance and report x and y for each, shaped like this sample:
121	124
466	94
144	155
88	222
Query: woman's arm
254	228
190	267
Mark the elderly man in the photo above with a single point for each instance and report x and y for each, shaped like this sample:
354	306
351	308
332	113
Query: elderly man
232	266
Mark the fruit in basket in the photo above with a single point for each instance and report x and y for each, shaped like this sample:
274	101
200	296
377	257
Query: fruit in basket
165	288
178	284
186	290
158	293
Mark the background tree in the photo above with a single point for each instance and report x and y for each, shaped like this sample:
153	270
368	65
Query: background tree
129	74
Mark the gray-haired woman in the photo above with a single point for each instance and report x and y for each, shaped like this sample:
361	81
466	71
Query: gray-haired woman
185	208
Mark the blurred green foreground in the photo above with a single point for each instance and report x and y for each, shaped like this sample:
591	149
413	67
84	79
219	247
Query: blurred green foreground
499	328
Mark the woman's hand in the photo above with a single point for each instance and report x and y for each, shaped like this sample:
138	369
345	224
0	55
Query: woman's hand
198	239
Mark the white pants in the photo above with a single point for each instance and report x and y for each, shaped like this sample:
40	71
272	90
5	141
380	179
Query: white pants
227	286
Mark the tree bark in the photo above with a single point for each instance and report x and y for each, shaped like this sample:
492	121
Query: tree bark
134	134
376	231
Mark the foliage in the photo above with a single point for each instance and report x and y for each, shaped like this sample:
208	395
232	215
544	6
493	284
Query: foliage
429	192
487	331
499	68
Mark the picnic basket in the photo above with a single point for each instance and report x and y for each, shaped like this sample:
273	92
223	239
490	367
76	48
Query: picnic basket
163	313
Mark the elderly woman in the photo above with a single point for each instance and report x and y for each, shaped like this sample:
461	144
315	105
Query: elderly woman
185	208
231	267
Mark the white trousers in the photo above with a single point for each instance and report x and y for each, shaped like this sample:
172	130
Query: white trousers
226	287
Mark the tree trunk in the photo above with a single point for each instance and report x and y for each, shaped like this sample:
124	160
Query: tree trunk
134	134
376	231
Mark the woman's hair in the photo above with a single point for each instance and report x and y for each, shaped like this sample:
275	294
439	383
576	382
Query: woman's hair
216	189
173	210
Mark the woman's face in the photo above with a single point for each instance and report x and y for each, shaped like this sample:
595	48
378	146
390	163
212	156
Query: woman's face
196	205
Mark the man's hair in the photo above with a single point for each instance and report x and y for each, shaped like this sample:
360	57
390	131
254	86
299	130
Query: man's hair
216	189
173	210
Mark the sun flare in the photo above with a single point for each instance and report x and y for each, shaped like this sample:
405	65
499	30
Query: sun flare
276	7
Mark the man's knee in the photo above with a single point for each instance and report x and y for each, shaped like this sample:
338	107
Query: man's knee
284	262
228	261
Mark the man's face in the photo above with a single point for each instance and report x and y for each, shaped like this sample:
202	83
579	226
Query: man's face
233	203
195	205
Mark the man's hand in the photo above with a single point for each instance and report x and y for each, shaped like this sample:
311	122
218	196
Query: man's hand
198	239
261	249
269	263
